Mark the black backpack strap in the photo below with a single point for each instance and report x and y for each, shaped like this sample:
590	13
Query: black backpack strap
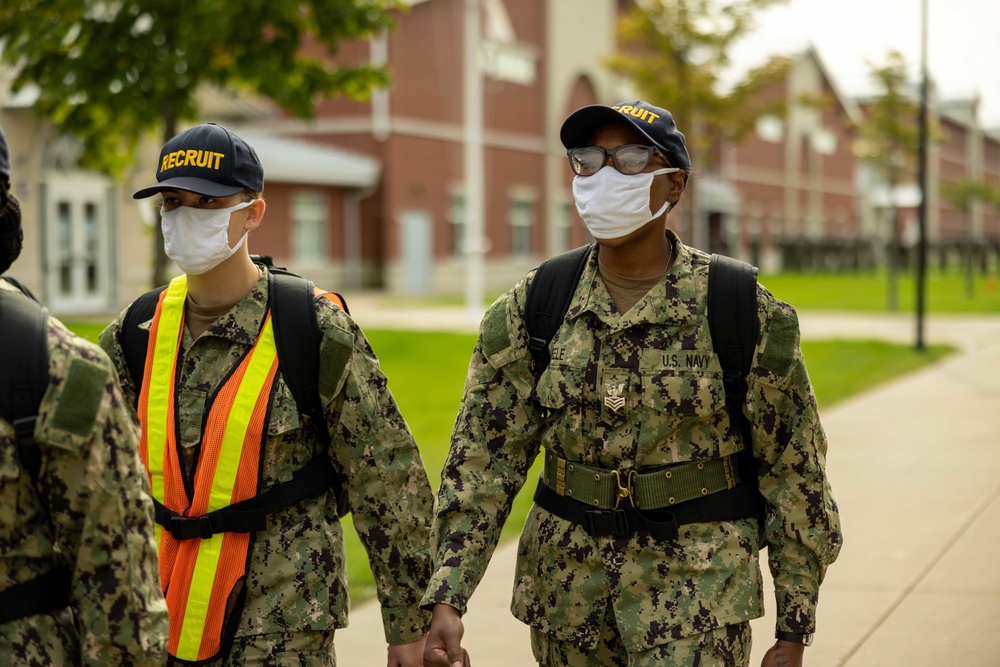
296	336
548	299
24	369
21	286
250	515
732	320
41	595
133	339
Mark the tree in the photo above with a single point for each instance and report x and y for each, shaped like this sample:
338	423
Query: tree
889	141
962	195
112	72
676	53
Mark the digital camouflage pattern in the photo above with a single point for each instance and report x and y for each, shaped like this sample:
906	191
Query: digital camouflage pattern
91	511
659	358
297	578
724	646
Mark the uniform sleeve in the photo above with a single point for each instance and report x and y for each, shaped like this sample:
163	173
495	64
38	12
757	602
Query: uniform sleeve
102	516
109	343
803	528
388	489
493	444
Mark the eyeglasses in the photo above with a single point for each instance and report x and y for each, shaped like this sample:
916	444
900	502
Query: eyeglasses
630	159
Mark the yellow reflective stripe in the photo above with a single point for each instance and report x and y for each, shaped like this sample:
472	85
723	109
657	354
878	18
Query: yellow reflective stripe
254	378
199	597
160	379
209	551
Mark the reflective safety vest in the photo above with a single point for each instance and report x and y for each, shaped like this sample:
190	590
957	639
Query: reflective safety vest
199	574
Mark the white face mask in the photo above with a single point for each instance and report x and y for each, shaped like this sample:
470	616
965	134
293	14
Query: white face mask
197	239
613	204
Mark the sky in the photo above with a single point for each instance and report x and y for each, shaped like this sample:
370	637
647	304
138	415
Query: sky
963	43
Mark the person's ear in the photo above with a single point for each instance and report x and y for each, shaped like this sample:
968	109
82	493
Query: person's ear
255	214
678	181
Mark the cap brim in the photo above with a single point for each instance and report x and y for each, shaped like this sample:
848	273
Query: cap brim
580	125
198	186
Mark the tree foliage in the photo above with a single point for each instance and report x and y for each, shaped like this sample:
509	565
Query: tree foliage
889	132
677	53
111	72
889	140
963	194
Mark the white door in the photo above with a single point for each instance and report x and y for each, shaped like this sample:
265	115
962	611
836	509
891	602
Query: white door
418	247
77	240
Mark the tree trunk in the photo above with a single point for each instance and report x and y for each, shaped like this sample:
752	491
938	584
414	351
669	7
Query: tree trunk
970	268
159	253
893	262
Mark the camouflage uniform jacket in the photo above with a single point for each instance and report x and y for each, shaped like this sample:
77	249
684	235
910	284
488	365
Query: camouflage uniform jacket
661	353
89	511
297	578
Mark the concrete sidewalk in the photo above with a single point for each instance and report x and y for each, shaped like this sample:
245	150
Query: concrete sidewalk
915	468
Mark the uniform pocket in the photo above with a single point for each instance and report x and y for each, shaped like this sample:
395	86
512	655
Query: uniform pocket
284	415
560	391
685	418
560	581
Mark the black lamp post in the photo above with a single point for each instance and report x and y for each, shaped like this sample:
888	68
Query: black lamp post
922	176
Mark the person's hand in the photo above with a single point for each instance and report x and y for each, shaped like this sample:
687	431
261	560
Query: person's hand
783	654
444	641
407	655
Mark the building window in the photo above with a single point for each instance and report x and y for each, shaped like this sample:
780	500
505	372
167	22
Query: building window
823	141
770	128
456	216
522	214
309	227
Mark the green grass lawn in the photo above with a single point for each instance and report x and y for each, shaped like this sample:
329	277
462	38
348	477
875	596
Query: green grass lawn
89	330
945	292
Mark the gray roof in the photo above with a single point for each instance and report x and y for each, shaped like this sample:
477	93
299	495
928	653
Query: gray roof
288	160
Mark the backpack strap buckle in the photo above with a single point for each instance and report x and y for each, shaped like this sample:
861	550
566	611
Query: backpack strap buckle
607	522
24	428
189	527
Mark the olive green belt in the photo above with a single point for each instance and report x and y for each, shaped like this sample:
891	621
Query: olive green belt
664	487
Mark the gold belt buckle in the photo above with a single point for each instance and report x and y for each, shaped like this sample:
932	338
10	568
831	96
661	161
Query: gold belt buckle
624	491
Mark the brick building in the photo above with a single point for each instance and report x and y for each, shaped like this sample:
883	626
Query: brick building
373	194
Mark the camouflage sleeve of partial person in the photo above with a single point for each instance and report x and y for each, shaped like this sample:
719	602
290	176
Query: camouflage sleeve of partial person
109	343
388	489
493	444
803	526
100	508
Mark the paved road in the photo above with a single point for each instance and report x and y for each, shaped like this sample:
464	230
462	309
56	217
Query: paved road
915	467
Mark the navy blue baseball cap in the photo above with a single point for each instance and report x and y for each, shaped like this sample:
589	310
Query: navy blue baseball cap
4	158
652	122
208	160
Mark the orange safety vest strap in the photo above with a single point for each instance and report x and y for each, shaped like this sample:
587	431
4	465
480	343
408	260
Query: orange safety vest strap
156	396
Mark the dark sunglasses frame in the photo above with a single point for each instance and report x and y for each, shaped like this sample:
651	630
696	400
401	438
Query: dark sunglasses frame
650	151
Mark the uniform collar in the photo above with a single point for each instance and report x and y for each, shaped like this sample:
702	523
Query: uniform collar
242	323
674	300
